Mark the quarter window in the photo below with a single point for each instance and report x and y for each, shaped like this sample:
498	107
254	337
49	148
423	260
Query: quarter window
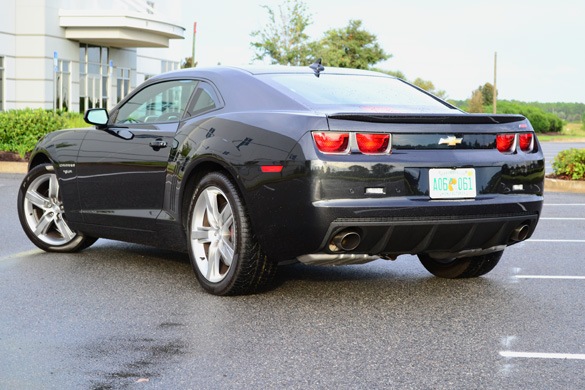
204	100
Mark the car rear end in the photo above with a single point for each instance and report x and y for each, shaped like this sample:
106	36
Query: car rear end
398	171
448	185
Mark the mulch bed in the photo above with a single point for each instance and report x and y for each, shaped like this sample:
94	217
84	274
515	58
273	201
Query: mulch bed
10	156
562	177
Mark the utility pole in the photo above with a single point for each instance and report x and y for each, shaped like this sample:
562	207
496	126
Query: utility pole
495	97
193	52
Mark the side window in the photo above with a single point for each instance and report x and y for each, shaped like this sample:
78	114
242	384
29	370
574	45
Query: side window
204	100
161	102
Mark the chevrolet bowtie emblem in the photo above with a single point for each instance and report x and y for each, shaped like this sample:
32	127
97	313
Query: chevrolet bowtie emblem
450	140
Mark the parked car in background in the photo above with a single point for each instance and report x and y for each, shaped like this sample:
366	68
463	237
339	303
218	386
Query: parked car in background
246	168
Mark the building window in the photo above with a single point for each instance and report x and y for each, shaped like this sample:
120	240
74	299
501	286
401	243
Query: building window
123	83
93	77
167	66
1	83
63	87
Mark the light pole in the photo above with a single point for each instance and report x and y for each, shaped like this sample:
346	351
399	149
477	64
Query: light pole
495	94
193	52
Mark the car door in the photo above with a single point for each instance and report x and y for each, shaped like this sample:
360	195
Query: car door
122	168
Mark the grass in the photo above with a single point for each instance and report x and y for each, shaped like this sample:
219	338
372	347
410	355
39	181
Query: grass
571	132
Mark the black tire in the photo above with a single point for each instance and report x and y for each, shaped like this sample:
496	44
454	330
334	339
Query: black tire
464	267
41	213
224	253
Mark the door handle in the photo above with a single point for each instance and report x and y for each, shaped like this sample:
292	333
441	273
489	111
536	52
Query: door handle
158	144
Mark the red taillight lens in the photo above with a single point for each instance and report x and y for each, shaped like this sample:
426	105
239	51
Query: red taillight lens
331	142
505	142
525	140
370	143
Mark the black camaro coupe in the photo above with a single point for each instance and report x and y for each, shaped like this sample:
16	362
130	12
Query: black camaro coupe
246	168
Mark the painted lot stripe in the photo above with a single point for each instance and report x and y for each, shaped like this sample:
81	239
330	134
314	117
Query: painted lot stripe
564	204
540	355
537	240
22	254
564	219
563	277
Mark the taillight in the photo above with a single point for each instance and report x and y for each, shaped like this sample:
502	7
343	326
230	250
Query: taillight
526	141
371	143
331	142
506	142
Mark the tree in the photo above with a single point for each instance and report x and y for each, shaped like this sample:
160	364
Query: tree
188	63
430	87
350	47
487	91
284	40
396	73
476	101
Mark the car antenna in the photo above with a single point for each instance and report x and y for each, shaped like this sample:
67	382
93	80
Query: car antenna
317	67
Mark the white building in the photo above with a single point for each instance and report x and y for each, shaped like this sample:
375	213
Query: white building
79	54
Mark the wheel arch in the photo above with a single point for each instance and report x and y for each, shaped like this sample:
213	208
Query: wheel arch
194	175
38	159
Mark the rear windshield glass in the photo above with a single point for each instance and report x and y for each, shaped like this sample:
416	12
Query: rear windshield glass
373	93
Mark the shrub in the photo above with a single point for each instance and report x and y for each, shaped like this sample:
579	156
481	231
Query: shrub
571	163
20	130
73	120
542	122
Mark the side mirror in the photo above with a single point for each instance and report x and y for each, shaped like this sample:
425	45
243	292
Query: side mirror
96	116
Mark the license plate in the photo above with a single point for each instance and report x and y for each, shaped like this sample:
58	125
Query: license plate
452	183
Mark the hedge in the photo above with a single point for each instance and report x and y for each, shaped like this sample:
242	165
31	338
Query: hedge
20	130
542	121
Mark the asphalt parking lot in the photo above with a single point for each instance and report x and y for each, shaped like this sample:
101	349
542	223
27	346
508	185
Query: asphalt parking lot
120	316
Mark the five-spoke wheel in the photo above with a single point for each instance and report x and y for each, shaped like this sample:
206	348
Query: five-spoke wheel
224	253
41	213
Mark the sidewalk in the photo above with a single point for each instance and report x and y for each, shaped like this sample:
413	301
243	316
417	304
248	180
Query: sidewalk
13	167
550	185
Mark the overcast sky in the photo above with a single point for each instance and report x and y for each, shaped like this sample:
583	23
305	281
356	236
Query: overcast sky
540	44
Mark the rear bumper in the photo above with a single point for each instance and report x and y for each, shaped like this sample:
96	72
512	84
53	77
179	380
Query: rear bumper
431	226
390	237
394	226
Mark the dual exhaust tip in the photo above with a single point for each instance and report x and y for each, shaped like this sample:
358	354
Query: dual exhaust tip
349	239
345	241
520	233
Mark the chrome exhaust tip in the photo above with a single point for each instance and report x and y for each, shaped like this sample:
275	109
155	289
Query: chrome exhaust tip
520	233
346	240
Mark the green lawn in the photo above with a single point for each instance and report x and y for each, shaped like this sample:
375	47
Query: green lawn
571	132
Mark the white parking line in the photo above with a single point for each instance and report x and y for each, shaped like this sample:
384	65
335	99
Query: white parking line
546	240
540	355
564	277
564	204
564	219
22	254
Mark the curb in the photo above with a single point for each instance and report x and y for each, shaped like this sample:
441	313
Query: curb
550	185
13	167
556	185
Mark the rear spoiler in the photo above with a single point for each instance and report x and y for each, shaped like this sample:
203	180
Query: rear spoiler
452	119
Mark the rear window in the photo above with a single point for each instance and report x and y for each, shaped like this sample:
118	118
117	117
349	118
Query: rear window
373	93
